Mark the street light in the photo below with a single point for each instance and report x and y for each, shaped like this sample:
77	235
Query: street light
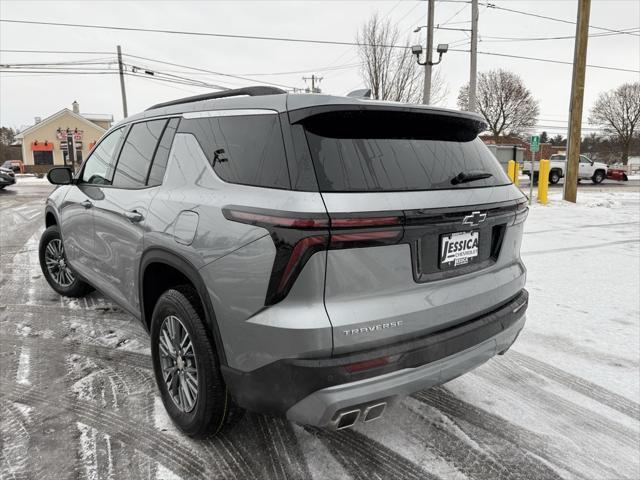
417	51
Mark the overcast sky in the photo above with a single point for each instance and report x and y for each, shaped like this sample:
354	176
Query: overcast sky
24	96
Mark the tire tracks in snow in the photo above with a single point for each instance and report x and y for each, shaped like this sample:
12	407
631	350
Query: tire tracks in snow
108	354
269	446
577	431
580	385
366	459
554	403
14	443
469	451
173	454
509	442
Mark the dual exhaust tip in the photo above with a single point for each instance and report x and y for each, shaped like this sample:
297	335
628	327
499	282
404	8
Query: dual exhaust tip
348	418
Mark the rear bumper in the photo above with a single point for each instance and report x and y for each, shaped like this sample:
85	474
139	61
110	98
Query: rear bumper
323	407
314	391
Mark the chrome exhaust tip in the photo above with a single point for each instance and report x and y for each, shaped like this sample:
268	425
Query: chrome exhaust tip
347	419
373	412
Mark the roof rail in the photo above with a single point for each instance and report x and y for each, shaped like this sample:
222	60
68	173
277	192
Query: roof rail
250	91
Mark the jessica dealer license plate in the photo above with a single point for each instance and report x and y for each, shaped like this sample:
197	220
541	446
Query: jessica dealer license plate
459	248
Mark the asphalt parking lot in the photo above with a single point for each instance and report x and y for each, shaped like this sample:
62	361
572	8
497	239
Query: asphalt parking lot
78	398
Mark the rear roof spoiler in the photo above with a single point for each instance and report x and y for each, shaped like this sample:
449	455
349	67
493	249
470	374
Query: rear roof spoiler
249	91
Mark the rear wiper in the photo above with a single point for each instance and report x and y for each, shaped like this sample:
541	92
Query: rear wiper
464	177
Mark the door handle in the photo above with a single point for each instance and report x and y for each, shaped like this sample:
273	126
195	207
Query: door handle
87	204
133	216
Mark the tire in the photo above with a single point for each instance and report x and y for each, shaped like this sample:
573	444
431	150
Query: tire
598	177
194	394
53	262
554	177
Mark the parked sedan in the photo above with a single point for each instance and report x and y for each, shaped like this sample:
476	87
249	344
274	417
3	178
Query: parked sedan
617	174
7	177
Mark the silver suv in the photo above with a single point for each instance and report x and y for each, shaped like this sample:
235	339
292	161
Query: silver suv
308	256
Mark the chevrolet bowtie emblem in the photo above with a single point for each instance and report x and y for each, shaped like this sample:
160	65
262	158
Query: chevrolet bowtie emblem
475	219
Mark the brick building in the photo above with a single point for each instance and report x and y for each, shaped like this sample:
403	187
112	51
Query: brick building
546	149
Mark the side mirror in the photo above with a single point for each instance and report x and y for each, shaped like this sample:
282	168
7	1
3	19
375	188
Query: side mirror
60	176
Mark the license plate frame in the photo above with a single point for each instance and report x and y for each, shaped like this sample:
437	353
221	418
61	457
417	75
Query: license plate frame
458	249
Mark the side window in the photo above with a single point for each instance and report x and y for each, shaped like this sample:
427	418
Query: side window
99	165
243	149
162	154
137	152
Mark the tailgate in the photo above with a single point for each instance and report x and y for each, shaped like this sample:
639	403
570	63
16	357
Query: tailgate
387	293
423	230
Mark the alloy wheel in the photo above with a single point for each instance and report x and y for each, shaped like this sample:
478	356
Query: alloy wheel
57	263
178	363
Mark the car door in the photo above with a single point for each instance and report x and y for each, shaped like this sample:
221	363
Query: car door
76	213
120	214
584	167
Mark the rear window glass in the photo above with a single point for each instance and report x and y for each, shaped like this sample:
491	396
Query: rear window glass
378	151
245	149
137	152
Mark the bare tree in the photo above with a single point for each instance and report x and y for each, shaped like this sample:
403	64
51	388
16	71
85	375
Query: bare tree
389	69
504	101
618	112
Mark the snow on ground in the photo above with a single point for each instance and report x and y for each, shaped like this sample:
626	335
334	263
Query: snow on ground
583	264
78	399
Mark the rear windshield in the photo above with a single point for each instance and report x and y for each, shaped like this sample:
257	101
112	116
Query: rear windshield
382	151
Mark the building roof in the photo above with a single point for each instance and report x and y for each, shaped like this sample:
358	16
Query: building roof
98	117
55	116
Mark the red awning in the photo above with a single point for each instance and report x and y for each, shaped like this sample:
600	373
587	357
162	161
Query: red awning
42	146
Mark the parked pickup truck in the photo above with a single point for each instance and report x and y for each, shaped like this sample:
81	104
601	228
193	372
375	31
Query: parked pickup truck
587	169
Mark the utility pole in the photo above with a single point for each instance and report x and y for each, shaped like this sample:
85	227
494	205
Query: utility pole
122	90
313	79
426	96
577	97
473	70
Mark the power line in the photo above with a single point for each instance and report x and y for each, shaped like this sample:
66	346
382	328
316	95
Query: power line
199	34
57	51
207	71
448	21
564	37
555	19
62	72
299	40
562	62
153	73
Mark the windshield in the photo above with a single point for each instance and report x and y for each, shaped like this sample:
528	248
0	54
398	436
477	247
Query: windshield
381	151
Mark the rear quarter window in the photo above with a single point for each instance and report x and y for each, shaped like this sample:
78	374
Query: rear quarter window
243	149
369	151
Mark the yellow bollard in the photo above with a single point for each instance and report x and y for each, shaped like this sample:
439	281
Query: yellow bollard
512	170
543	181
516	180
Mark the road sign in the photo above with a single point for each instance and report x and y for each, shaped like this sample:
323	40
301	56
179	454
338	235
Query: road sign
534	146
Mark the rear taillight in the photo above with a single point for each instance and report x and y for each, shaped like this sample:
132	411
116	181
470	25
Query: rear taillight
297	236
289	221
522	211
355	222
